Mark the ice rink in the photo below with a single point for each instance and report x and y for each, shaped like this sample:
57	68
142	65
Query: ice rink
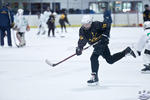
24	75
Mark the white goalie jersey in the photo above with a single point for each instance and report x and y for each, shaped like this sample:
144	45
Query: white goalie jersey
144	41
41	20
144	44
21	23
46	15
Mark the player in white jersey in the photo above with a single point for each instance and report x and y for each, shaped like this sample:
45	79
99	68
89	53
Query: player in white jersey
46	15
144	44
41	24
55	15
21	25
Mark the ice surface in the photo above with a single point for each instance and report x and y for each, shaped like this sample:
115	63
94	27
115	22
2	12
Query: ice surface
24	75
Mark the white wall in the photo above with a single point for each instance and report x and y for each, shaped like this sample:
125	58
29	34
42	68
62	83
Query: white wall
75	19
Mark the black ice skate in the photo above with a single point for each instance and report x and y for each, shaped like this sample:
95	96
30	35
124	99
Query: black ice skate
146	70
94	80
128	50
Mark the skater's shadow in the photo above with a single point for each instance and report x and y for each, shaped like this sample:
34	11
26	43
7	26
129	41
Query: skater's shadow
104	87
89	88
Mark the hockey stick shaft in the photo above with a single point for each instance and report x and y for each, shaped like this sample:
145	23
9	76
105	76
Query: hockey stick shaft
64	59
14	37
70	56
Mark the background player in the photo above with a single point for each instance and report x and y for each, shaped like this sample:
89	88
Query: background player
144	45
6	23
21	25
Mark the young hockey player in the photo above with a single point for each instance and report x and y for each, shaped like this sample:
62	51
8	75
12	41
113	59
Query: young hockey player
66	18
97	33
55	15
41	24
107	16
146	13
46	14
51	25
144	44
62	22
21	25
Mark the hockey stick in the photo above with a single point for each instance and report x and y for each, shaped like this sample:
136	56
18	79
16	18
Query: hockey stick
12	29
15	38
55	64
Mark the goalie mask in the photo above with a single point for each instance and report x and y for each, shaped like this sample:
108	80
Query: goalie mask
20	12
146	25
86	21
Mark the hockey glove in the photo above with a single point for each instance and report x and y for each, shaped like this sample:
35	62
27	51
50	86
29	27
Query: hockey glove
28	28
78	51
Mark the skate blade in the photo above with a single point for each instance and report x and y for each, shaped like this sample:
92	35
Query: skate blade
145	72
93	84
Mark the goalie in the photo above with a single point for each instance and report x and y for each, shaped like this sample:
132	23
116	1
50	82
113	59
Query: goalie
144	45
21	26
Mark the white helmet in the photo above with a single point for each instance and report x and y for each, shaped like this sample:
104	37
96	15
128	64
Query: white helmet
54	13
20	11
86	19
47	13
146	24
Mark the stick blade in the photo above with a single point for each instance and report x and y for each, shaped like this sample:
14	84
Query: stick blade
49	63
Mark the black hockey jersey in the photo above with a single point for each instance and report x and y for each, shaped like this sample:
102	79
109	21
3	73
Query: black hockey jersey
93	34
51	21
146	15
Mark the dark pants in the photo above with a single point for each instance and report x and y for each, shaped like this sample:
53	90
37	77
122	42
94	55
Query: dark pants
105	53
109	29
53	31
2	35
62	24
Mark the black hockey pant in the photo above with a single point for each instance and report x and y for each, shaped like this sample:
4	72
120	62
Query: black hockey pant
105	53
53	31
